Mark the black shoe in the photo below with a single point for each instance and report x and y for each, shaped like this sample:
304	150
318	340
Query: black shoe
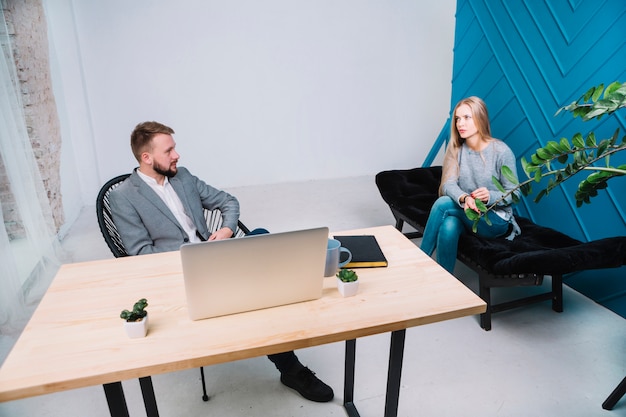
308	385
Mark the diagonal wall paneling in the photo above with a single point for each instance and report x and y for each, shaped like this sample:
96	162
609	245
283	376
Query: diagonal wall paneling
528	58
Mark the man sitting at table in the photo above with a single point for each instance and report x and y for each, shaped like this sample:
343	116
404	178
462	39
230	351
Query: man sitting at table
160	207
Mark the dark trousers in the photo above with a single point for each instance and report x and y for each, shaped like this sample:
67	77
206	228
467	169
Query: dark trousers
284	361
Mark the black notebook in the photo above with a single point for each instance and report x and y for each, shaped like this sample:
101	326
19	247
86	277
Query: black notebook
366	252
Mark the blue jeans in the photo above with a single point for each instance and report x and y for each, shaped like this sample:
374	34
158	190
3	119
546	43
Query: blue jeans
446	223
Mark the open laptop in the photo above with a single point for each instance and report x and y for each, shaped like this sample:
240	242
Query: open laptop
253	272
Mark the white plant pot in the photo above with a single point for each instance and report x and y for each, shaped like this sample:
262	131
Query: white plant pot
136	329
347	289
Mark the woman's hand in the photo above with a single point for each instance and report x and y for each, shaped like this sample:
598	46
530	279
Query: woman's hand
470	203
481	194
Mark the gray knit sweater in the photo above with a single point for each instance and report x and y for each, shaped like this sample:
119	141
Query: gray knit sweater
476	170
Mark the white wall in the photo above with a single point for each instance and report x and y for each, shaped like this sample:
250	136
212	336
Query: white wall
257	91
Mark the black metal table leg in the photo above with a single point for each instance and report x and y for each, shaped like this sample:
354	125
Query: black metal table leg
396	355
348	386
115	399
394	375
615	396
205	397
149	400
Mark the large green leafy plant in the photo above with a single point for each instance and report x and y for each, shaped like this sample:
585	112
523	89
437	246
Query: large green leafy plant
559	161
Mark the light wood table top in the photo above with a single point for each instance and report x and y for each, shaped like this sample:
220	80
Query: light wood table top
76	338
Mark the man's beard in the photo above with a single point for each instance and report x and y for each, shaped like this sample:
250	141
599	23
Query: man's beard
170	172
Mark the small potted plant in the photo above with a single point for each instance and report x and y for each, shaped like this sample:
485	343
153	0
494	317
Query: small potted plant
136	323
347	282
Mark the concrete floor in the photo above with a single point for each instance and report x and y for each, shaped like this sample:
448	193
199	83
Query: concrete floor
534	362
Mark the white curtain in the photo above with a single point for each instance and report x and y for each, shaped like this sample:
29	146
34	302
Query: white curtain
27	263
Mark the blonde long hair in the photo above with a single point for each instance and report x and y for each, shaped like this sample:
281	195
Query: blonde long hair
480	115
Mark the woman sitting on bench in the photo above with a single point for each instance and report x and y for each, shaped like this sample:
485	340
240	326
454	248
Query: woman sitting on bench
471	159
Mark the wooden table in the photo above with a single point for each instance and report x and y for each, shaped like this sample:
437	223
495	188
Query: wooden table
76	338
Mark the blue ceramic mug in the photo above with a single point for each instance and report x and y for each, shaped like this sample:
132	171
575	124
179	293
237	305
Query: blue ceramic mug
333	252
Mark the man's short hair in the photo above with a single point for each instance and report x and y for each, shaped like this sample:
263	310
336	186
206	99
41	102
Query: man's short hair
140	139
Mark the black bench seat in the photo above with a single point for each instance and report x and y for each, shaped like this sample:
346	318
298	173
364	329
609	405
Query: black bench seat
538	252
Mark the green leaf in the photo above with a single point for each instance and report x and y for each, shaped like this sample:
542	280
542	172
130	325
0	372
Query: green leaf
543	153
525	167
499	186
585	159
609	105
532	168
480	206
536	159
591	139
594	178
596	112
578	141
588	94
602	185
614	86
602	147
616	97
540	195
597	93
509	175
472	215
554	148
614	138
578	158
565	145
581	112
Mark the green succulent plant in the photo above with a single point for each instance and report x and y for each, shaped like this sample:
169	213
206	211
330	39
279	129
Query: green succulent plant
138	312
347	275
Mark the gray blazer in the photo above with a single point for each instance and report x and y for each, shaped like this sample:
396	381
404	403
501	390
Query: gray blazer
147	225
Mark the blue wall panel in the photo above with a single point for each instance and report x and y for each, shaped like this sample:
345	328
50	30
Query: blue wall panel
528	58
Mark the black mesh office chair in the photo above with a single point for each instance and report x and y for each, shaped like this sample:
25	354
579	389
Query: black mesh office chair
114	242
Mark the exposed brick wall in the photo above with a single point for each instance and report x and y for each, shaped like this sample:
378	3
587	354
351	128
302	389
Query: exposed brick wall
9	210
28	33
